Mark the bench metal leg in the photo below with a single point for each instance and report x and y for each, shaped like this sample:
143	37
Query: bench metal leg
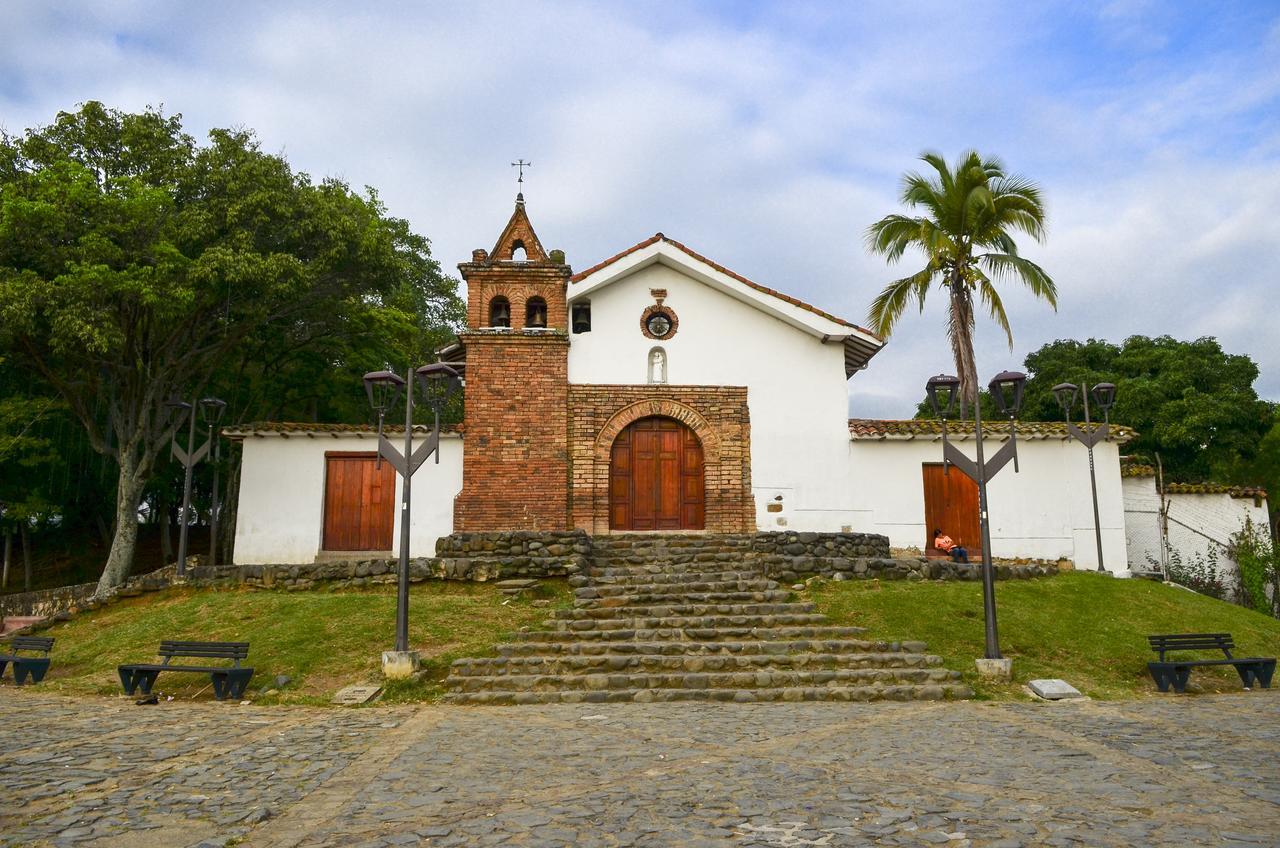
219	685
4	663
1181	674
127	679
1161	675
1264	673
239	680
33	668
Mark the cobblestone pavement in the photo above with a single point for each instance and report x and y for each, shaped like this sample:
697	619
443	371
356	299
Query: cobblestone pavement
1166	771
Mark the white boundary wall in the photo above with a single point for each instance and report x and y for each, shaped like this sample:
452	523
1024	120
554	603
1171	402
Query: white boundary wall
281	511
1045	511
1197	523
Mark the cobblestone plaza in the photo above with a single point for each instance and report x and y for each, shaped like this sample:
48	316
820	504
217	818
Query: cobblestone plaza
1199	770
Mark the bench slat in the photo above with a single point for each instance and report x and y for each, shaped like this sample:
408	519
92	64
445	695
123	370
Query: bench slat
32	643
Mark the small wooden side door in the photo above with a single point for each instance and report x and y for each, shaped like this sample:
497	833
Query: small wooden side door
951	505
359	502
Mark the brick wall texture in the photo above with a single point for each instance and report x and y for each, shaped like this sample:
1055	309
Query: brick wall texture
717	414
515	467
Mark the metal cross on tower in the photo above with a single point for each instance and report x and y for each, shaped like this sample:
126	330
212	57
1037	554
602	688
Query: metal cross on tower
521	164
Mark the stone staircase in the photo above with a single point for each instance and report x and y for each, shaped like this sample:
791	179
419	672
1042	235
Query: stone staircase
657	620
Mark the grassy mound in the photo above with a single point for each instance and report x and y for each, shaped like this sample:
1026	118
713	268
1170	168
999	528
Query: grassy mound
322	640
1085	628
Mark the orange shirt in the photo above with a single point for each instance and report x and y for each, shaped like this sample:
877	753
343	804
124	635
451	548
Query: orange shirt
944	543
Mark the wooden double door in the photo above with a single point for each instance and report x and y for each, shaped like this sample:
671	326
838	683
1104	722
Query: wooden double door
359	502
656	477
951	505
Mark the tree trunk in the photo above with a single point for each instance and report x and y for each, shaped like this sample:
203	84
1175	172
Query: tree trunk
960	332
120	557
26	555
8	558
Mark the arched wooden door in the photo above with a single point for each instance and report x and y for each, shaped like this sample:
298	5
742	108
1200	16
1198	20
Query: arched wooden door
655	477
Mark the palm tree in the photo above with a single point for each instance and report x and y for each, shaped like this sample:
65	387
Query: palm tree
969	213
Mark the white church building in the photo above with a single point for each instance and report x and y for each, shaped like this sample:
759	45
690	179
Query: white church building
659	391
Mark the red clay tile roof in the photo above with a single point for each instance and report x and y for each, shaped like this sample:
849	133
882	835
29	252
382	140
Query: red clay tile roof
909	428
581	275
1214	489
306	428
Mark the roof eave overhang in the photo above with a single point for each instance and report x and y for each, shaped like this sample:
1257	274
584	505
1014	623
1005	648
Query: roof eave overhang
663	253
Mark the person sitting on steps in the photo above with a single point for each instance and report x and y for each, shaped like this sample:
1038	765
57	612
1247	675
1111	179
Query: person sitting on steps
945	543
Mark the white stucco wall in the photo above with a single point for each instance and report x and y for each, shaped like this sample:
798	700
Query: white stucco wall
1044	511
281	508
1197	524
796	386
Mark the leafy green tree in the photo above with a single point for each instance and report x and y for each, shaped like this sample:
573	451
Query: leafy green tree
1190	401
137	266
970	213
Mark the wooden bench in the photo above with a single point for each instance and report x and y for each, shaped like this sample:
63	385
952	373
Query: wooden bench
24	666
1176	672
227	680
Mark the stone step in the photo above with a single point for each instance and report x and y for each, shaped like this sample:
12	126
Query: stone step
895	692
693	663
692	634
634	562
702	680
598	647
602	589
665	599
688	622
682	610
674	579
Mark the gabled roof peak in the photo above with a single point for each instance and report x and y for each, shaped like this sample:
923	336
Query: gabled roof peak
517	235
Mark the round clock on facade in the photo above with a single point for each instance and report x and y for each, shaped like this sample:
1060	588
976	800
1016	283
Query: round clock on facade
659	324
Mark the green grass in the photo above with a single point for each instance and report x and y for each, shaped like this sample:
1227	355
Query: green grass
1087	629
323	640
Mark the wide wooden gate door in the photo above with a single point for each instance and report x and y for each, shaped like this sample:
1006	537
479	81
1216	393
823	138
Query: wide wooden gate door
656	477
951	505
359	502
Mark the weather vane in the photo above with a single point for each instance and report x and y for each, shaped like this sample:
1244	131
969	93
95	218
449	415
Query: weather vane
521	164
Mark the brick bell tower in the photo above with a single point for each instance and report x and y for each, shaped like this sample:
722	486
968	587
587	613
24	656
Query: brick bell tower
515	449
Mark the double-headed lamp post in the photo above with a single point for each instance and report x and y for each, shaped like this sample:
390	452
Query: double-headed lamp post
1006	390
1104	396
438	383
211	410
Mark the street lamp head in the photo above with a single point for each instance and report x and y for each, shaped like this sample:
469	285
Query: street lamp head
212	409
943	391
1006	390
439	382
1066	395
1104	395
383	389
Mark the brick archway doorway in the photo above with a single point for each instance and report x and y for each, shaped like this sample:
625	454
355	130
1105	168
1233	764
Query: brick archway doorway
656	479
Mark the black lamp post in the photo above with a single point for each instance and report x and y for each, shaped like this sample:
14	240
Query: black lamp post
438	383
190	457
211	410
1006	390
1104	395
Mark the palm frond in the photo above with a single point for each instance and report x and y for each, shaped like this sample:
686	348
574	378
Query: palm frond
995	306
889	305
1004	265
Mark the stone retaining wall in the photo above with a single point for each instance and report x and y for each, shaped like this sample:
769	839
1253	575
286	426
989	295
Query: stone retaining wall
480	557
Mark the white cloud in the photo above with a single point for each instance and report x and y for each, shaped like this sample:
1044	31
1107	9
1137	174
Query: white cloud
768	141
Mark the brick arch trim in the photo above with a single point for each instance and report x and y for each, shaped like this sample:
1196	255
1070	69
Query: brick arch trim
665	408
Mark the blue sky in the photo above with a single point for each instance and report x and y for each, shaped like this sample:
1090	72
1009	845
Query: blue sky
766	136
